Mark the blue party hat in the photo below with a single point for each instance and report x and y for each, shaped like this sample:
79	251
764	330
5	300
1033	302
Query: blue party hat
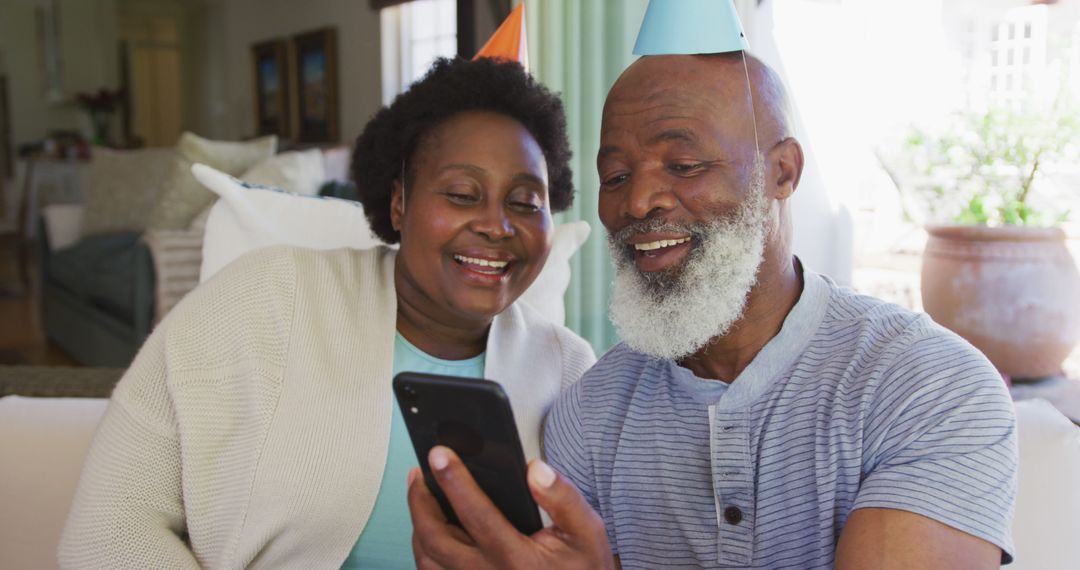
682	27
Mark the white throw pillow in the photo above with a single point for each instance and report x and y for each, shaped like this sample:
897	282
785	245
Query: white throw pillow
63	224
1046	529
336	163
547	293
248	217
300	172
43	442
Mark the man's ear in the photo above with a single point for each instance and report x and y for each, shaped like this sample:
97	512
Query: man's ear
789	159
397	204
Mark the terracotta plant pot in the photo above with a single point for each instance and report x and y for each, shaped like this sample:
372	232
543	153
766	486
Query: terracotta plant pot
1013	292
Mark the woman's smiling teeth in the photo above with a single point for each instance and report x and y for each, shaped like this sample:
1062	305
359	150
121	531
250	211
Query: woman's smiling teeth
649	246
482	265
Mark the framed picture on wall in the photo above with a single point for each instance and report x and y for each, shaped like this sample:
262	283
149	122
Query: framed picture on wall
271	87
316	82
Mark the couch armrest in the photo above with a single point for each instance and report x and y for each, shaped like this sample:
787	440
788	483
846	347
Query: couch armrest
43	442
177	257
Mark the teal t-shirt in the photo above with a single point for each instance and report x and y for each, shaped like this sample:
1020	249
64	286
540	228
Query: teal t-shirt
386	542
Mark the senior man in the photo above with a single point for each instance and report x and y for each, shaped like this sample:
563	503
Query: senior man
756	415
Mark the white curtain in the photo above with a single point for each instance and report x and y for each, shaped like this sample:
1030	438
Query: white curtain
823	226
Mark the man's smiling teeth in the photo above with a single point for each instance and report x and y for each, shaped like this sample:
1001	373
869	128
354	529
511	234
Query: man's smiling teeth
659	244
481	262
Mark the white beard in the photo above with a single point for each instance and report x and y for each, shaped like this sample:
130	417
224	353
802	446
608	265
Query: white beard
675	313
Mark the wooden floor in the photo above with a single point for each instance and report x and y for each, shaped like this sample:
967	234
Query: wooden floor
22	340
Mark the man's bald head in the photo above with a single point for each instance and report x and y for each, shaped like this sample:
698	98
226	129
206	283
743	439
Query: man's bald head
722	77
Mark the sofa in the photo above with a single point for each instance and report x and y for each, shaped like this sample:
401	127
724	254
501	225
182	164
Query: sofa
97	277
43	442
97	296
113	266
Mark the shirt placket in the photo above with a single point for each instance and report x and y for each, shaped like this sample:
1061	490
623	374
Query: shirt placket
733	486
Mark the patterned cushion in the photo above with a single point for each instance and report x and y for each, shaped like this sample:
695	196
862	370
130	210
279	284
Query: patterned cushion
122	188
182	197
177	256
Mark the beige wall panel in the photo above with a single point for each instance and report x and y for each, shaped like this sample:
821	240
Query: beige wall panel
167	79
142	94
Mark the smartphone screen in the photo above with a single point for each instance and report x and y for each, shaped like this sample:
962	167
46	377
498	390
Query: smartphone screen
473	417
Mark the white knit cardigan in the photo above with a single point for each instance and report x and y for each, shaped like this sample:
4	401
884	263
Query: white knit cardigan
252	428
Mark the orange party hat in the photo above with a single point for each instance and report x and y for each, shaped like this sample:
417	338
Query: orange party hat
508	42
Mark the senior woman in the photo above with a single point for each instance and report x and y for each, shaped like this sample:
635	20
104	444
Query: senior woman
257	428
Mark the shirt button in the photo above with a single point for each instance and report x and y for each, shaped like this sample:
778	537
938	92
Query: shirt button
733	515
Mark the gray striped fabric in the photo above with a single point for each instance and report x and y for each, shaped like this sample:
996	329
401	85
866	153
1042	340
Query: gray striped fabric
177	257
855	403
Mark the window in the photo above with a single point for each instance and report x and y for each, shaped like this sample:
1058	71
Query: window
1017	64
863	71
413	35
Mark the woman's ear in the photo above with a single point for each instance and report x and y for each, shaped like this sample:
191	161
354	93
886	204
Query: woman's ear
397	205
790	166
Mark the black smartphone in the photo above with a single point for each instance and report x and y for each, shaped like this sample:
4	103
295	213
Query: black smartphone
473	417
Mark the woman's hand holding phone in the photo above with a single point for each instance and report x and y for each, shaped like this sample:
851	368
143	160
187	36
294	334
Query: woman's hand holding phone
577	538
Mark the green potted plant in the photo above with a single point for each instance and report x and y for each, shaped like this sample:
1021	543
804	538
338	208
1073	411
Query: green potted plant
996	269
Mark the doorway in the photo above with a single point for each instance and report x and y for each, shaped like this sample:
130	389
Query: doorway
152	64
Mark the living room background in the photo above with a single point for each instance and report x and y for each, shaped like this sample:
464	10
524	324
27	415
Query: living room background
847	223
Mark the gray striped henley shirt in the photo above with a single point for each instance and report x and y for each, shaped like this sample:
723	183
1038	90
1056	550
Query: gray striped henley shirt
855	403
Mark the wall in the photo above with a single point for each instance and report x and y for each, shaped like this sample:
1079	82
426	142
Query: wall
218	97
486	20
246	22
205	98
90	36
89	59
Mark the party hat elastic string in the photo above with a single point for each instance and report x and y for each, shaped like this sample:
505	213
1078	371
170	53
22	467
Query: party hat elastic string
750	100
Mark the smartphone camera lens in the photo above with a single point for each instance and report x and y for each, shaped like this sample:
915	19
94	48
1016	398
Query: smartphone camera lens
408	394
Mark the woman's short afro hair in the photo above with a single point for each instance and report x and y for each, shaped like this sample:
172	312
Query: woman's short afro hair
450	87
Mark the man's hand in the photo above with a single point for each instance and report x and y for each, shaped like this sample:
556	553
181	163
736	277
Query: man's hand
577	539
